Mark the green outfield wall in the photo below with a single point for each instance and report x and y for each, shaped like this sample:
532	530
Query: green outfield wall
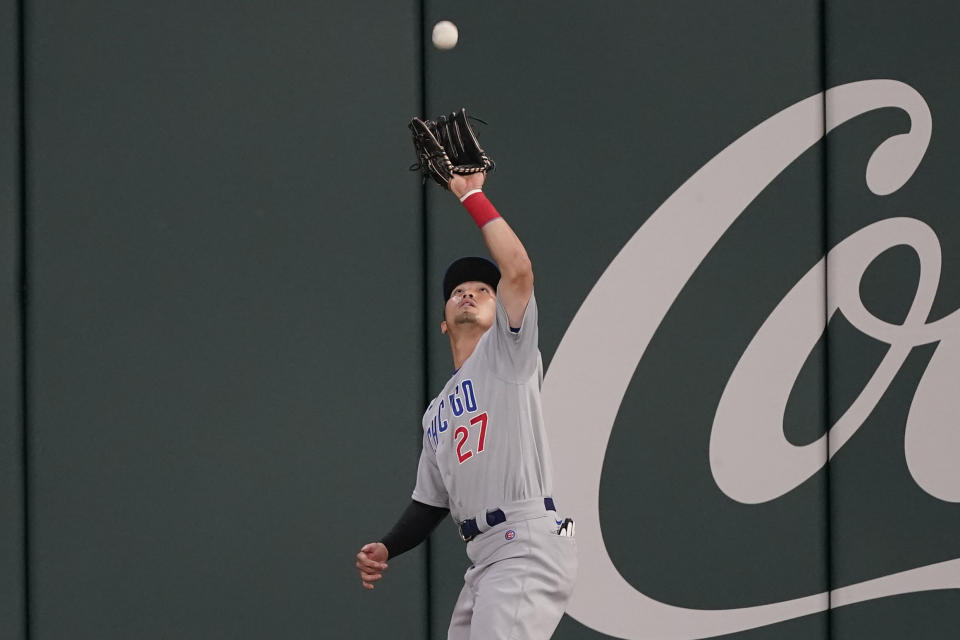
221	307
12	547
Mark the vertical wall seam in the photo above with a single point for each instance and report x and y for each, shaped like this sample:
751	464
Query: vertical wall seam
23	282
425	296
825	218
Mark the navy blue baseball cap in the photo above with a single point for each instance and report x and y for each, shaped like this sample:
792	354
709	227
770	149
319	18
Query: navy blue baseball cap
469	269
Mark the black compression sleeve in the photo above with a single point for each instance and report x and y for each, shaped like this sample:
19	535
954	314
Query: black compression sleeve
413	527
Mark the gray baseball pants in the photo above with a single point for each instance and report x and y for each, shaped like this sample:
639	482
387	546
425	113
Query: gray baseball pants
518	586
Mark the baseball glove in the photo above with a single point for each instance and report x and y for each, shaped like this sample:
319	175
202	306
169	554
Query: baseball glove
448	146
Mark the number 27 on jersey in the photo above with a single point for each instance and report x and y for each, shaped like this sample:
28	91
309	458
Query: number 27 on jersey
462	434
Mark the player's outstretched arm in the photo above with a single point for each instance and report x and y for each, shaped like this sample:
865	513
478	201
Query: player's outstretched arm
516	281
372	562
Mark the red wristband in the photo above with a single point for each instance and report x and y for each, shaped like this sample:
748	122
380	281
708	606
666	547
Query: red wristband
480	209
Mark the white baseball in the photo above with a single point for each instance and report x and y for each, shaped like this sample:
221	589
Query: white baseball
445	35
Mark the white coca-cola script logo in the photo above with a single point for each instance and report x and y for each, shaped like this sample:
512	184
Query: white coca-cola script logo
751	460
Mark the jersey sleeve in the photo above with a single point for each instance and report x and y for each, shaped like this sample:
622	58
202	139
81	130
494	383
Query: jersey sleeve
516	349
430	489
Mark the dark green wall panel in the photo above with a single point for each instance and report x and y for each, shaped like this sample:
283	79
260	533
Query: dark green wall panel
885	520
596	117
11	453
226	326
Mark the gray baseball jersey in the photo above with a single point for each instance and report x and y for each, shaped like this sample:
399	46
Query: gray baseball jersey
484	443
485	448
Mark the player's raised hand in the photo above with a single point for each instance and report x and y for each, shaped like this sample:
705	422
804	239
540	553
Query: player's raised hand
372	561
460	184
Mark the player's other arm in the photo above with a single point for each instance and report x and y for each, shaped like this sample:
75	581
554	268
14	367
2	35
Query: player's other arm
413	527
516	281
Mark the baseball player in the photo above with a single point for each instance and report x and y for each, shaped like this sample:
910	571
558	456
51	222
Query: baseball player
485	457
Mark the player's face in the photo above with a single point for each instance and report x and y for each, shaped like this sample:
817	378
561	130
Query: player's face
471	303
